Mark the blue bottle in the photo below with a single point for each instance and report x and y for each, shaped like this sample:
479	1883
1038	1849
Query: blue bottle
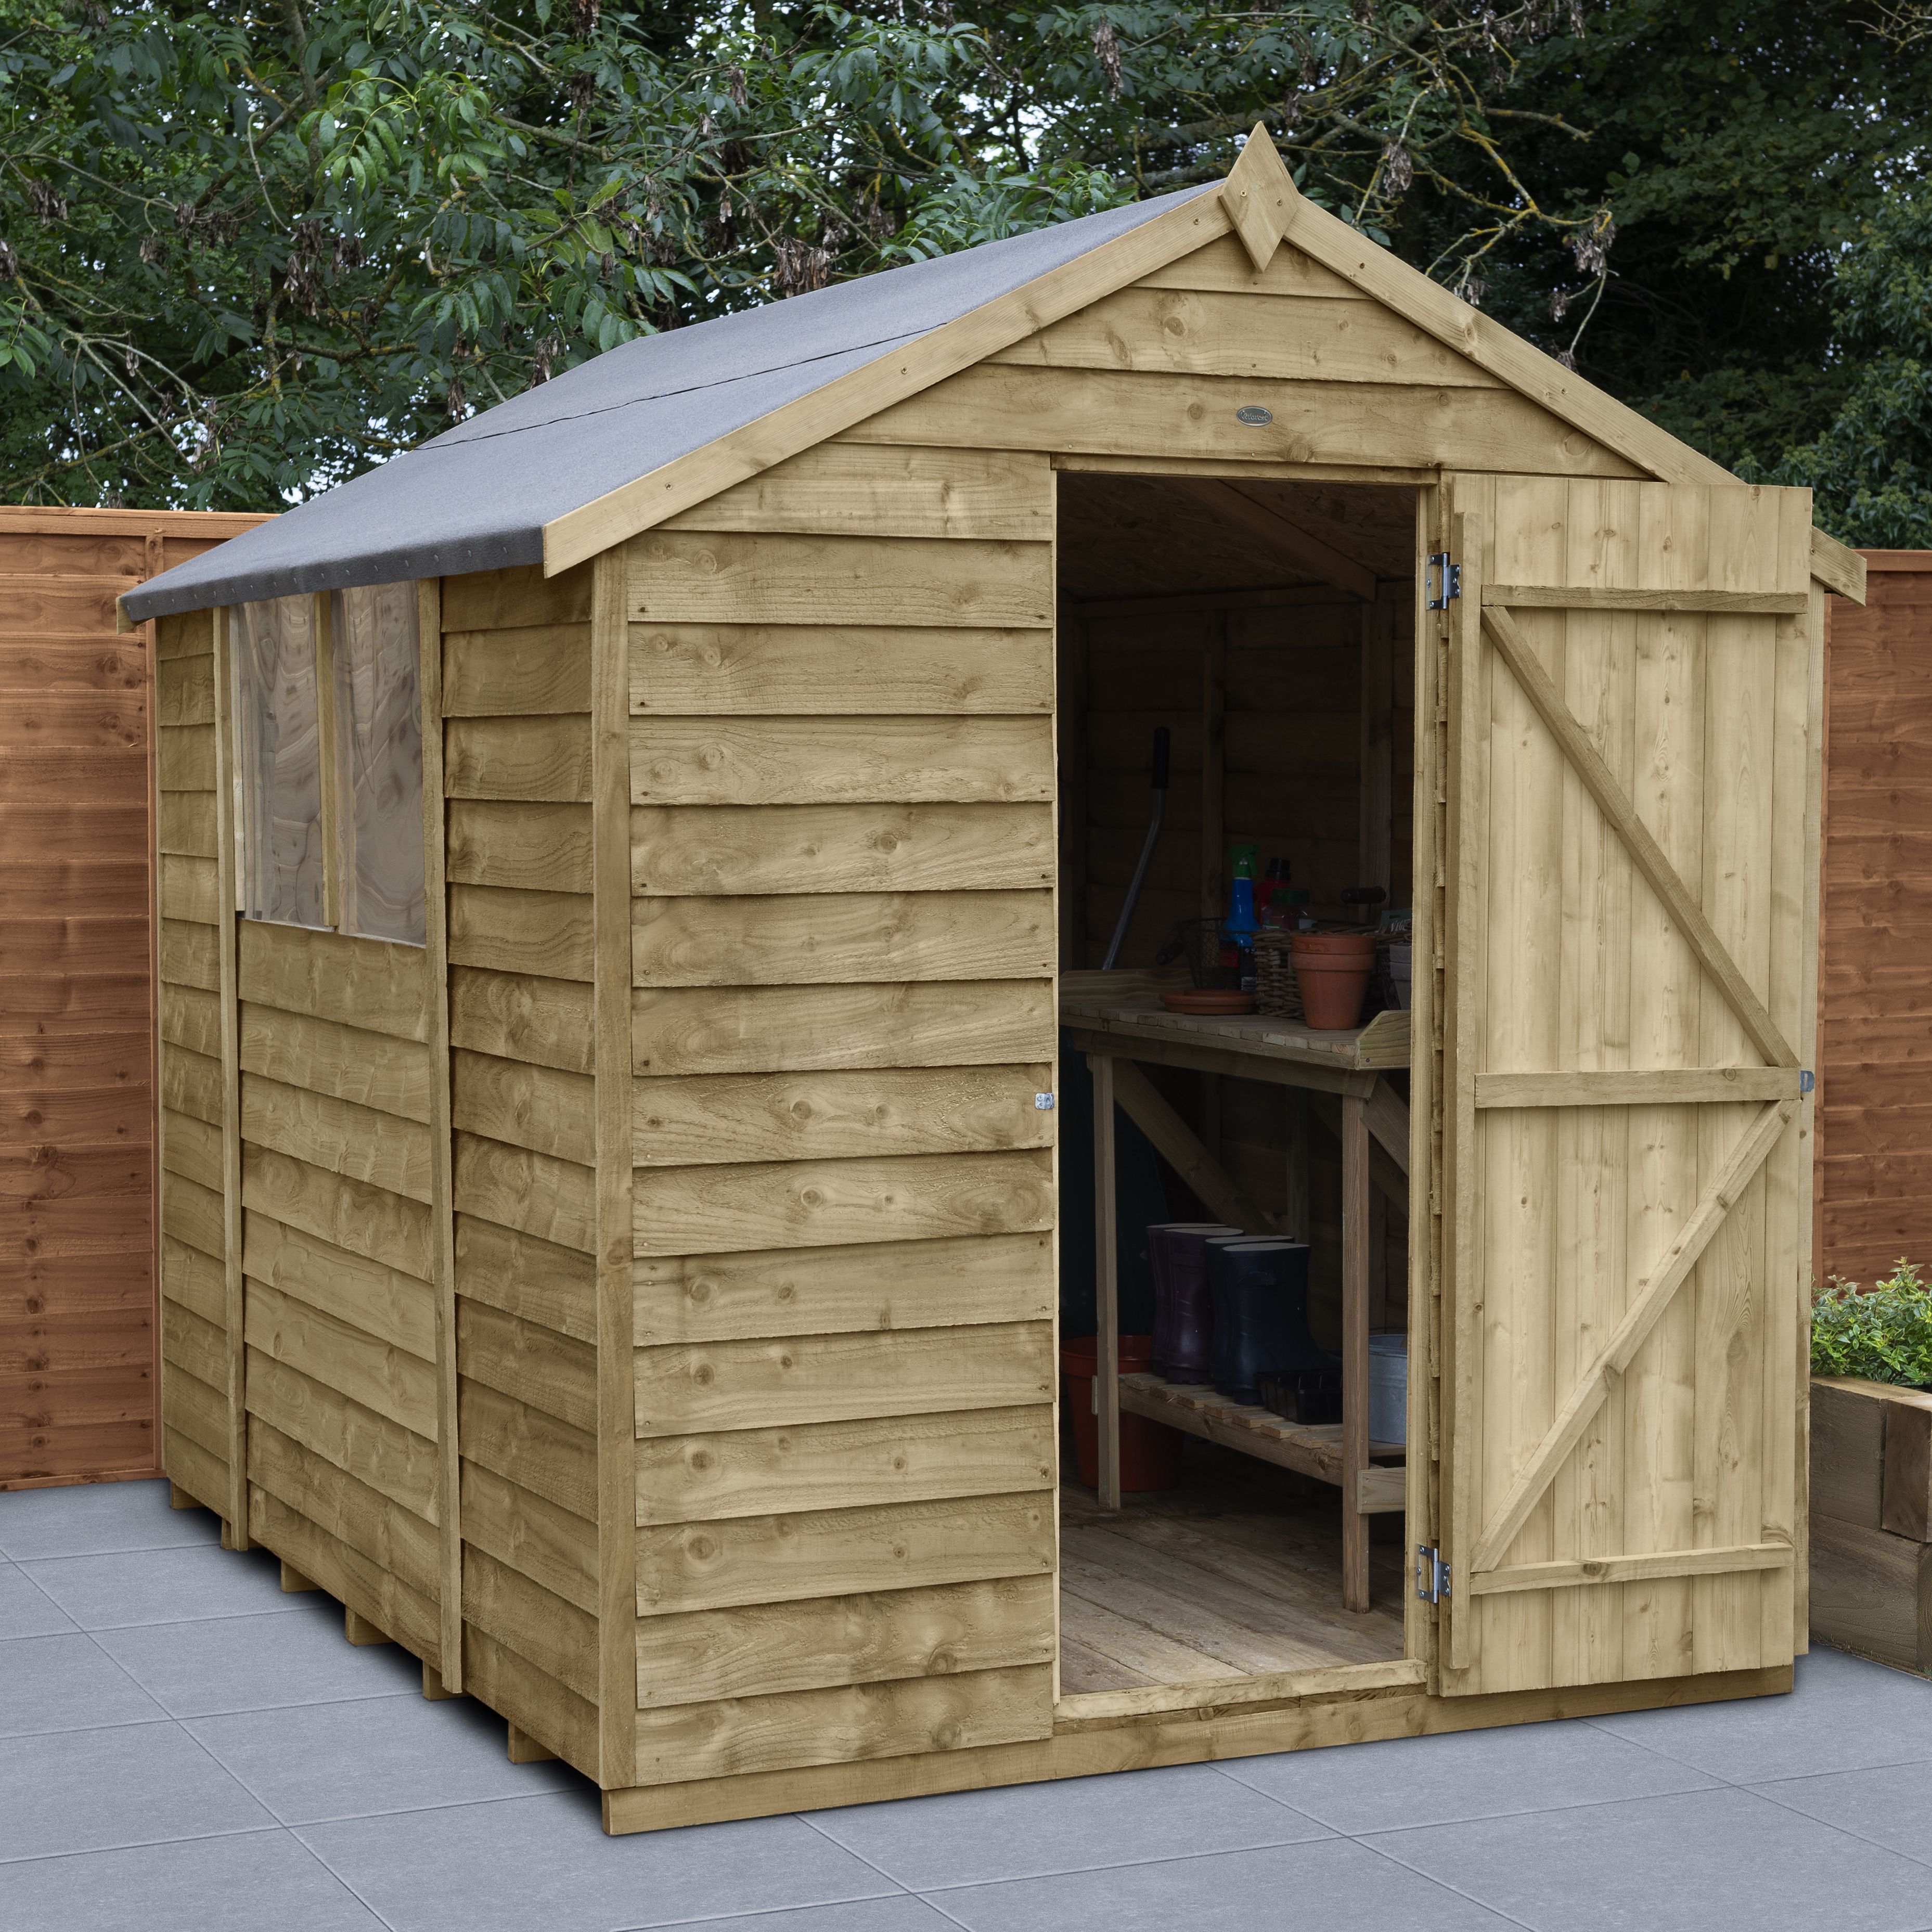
1241	925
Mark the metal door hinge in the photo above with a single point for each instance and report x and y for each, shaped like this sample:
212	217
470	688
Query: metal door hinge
1432	1573
1806	1080
1044	1102
1442	580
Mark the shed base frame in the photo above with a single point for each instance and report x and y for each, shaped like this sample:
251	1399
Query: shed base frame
1078	1748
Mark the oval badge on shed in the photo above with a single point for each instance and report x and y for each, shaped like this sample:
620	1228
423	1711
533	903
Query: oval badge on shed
1254	415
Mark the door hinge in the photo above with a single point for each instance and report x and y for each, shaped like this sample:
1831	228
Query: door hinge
1432	1573
1442	580
1806	1080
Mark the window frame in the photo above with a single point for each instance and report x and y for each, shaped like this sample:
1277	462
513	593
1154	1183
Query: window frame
337	832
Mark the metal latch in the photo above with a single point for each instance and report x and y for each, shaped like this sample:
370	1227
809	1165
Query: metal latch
1806	1080
1044	1102
1441	580
1432	1573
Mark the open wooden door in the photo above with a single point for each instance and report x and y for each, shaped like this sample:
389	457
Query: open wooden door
1632	674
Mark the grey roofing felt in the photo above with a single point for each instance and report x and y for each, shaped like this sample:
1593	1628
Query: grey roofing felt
477	497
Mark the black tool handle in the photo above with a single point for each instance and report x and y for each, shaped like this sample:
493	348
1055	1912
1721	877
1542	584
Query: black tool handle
1160	757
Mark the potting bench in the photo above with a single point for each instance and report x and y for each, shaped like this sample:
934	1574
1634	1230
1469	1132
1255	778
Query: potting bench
1116	1019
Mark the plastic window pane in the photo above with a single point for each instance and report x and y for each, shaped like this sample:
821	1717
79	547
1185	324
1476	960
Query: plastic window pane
278	766
379	761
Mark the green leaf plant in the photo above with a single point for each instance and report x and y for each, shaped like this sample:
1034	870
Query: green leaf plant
1882	1333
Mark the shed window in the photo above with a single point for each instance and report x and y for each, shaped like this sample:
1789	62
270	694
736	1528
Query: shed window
278	761
379	761
328	762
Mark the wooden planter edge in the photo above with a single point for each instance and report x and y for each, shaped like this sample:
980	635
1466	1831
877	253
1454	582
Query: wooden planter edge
1871	1520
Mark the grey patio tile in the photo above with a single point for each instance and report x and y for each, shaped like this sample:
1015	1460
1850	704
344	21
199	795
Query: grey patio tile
239	1884
543	1864
161	1586
351	1760
25	1609
1029	1831
95	1519
1845	1714
1376	1787
66	1684
902	1913
1333	1885
1891	1806
1696	1861
215	1665
134	1784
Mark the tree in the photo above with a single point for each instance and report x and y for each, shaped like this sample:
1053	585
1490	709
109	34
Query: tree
247	252
1871	466
1741	146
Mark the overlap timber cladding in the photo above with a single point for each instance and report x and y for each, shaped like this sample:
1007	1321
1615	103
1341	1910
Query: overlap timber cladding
1875	1004
1580	966
195	1448
516	657
842	848
1158	370
337	1260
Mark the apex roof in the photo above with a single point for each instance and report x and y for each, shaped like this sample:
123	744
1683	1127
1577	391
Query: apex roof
479	497
568	469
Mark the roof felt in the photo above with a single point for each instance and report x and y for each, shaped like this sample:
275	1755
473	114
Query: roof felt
478	497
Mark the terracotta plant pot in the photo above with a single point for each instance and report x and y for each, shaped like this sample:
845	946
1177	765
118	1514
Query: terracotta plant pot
1332	970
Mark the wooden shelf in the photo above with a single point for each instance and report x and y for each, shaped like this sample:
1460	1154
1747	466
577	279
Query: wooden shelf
1311	1448
1127	1005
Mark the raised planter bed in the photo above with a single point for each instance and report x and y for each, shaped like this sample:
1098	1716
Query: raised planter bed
1871	1520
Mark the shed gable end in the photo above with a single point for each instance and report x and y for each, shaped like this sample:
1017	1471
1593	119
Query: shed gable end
1158	370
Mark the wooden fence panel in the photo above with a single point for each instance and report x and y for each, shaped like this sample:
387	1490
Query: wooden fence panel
79	1172
1874	1136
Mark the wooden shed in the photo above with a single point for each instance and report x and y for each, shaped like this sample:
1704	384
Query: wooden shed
78	1339
611	1217
1874	1164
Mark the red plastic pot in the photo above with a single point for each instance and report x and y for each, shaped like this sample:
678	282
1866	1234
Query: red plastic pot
1332	969
1150	1451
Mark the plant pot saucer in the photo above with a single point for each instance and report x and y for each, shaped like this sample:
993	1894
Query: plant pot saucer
1208	1001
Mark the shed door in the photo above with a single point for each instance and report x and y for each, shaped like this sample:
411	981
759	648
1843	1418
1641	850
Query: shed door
1632	672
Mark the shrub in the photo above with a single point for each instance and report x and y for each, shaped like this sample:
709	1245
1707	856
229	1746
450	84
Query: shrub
1882	1333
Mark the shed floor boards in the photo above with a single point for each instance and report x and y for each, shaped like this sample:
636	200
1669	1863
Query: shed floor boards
1237	1572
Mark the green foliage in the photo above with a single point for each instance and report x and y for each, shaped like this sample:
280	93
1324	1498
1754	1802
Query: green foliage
1871	467
1746	148
246	251
1882	1333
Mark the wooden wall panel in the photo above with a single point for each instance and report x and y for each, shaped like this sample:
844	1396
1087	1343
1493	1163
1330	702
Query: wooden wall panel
516	697
1872	1203
843	946
81	1182
339	1266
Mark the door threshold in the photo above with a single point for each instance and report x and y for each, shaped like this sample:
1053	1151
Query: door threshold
1086	1708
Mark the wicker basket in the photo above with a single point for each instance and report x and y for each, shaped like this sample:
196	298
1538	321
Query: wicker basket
1276	992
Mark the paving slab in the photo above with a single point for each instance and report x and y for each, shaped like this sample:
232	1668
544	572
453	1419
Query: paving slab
1030	1831
98	1519
543	1864
1715	1861
132	1784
